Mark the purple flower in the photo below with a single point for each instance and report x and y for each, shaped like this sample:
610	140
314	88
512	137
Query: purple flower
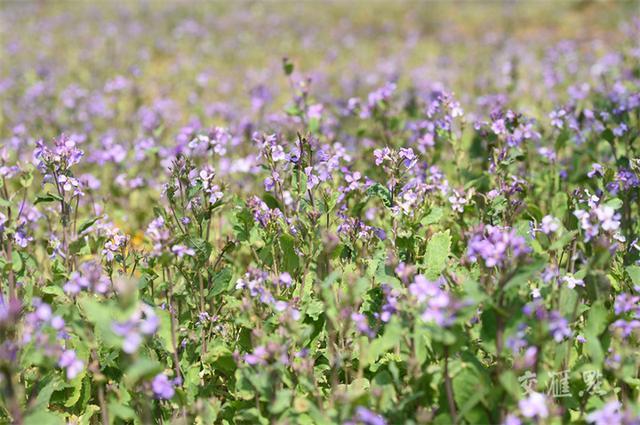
89	277
599	217
162	387
572	282
625	327
626	302
557	118
558	326
609	414
534	406
259	356
366	417
440	306
620	130
362	324
596	170
458	201
381	155
285	279
549	225
3	221
626	179
59	158
181	251
143	321
496	246
408	157
512	419
69	361
312	179
159	235
9	312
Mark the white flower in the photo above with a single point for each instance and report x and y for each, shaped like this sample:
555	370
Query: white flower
608	217
572	282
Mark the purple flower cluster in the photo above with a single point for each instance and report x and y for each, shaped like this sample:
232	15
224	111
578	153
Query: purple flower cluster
89	277
70	362
496	246
163	387
600	218
265	354
159	234
143	322
262	214
440	305
58	158
256	282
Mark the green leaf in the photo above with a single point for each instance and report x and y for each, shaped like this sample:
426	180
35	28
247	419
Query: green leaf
86	224
49	197
120	410
53	384
561	242
314	309
435	258
164	333
597	321
434	216
43	417
282	401
634	274
290	260
16	260
91	410
142	368
102	316
379	191
220	282
469	389
615	203
382	344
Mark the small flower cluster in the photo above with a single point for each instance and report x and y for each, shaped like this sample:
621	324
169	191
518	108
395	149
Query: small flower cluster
496	246
89	278
599	219
440	305
143	322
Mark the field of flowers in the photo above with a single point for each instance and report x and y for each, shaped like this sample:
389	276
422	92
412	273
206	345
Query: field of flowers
319	213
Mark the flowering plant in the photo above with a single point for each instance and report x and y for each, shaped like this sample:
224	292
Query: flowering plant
187	236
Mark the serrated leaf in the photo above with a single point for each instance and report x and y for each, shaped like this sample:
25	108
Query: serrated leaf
433	217
379	191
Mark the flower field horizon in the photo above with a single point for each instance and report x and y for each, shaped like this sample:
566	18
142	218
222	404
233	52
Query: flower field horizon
320	212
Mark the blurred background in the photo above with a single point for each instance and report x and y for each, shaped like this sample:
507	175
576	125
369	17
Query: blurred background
203	52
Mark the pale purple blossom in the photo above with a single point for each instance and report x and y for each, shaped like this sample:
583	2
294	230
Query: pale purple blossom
70	362
550	224
162	387
534	406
